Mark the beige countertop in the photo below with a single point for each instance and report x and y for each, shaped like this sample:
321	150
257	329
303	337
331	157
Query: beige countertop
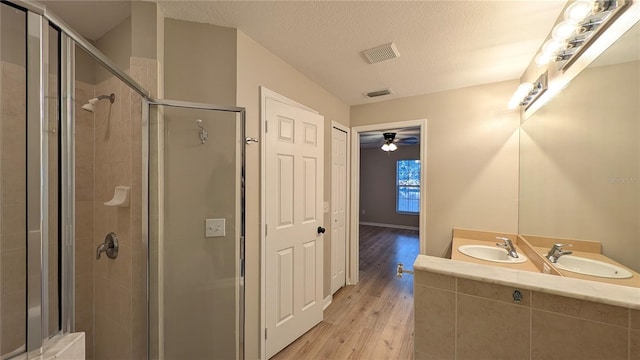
536	248
605	293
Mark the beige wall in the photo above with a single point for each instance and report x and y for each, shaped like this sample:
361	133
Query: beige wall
116	45
580	163
378	185
144	29
472	157
200	62
258	67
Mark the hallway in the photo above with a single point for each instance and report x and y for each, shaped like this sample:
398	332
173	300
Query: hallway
374	319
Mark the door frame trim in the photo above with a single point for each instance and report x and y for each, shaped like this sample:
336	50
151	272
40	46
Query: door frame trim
354	238
347	223
265	94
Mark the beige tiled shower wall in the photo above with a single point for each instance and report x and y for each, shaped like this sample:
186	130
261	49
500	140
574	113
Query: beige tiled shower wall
465	319
13	207
120	284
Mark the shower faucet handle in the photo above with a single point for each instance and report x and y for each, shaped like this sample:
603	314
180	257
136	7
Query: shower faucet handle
109	246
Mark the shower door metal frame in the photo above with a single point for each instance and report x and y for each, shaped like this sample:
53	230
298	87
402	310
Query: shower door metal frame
39	18
146	109
37	184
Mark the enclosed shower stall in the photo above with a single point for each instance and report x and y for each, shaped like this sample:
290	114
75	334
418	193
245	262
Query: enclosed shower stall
121	215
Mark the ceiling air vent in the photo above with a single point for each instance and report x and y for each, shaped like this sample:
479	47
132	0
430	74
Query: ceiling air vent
381	53
378	93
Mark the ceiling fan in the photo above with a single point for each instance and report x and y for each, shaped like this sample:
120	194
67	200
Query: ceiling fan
390	141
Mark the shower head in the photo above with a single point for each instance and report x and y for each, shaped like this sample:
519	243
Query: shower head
90	106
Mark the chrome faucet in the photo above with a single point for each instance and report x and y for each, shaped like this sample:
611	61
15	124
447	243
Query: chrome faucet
109	246
508	245
556	251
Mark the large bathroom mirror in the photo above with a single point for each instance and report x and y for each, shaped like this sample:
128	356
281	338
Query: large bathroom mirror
580	157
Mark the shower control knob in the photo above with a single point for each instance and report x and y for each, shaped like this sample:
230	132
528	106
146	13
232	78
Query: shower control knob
321	230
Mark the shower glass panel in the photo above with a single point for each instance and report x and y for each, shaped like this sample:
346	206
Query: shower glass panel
110	293
196	234
13	170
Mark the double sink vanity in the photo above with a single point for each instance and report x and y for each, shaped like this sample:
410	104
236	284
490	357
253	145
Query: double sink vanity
579	259
585	308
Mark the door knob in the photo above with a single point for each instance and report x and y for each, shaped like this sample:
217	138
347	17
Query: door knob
321	230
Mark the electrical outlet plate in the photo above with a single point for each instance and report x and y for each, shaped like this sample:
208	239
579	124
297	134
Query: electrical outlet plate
214	227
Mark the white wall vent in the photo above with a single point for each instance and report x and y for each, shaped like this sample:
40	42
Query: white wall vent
382	92
381	53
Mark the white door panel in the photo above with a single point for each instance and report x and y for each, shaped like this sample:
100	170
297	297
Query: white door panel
294	183
338	208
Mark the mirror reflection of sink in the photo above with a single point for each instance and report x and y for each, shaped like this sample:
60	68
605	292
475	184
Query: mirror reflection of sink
591	267
490	253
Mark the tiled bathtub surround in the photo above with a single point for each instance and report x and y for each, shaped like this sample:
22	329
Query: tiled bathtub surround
467	311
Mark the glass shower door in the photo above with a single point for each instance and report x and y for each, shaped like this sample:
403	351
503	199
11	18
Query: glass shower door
196	233
13	169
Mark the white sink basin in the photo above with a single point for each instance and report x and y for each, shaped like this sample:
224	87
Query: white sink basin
490	253
591	267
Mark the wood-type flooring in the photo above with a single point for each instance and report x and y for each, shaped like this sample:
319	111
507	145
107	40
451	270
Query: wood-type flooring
373	319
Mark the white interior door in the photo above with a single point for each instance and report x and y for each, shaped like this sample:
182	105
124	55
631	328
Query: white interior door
293	243
338	208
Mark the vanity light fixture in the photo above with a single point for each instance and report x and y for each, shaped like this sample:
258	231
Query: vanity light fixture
522	90
583	21
527	93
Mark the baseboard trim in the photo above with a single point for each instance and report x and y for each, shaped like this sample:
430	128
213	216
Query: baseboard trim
327	301
404	227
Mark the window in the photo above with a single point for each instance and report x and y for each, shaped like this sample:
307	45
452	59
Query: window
408	186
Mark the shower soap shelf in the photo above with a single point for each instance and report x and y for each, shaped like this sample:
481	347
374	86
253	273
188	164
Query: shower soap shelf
120	197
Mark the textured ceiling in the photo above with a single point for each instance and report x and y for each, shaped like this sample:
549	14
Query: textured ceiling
442	44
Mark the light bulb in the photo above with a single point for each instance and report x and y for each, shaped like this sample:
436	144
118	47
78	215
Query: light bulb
523	90
552	46
385	147
578	10
543	59
393	147
564	30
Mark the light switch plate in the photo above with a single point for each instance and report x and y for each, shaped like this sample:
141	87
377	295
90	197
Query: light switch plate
214	228
326	207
